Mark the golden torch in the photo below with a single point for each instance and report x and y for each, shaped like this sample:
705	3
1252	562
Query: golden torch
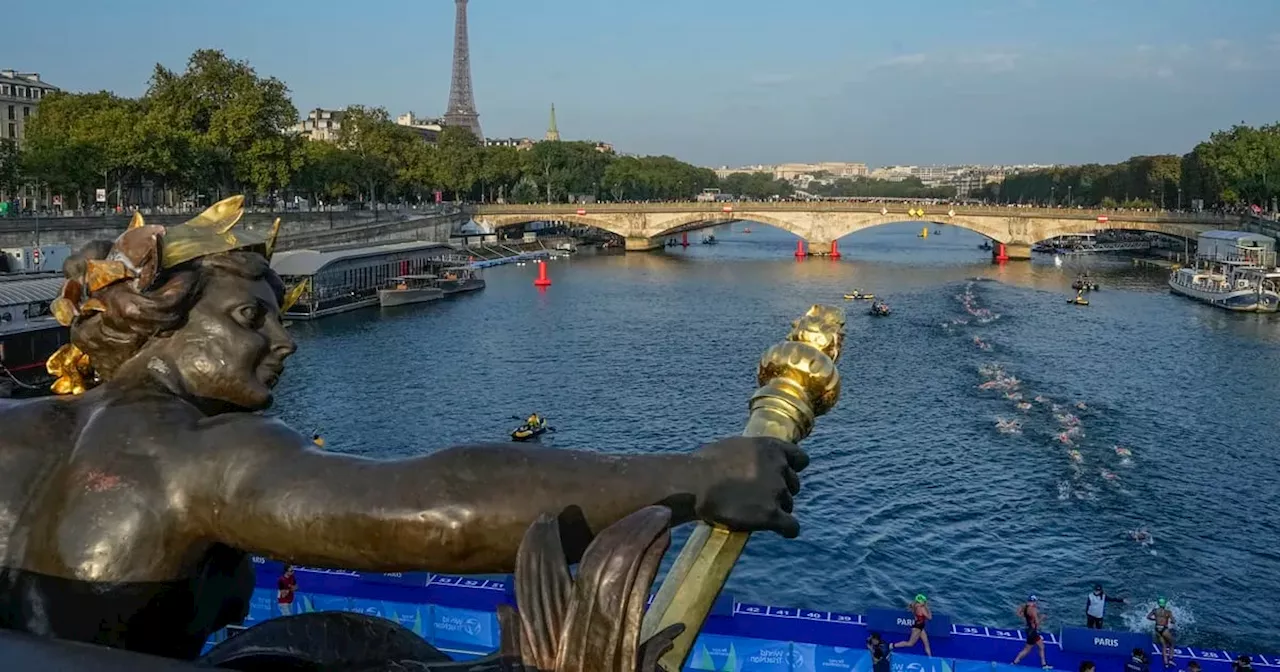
798	382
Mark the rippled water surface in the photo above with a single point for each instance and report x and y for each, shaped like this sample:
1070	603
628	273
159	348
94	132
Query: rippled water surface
913	487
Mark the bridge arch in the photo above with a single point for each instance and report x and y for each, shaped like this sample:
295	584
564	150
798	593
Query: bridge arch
1188	231
604	223
705	220
997	232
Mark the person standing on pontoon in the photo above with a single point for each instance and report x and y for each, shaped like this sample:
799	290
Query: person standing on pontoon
920	609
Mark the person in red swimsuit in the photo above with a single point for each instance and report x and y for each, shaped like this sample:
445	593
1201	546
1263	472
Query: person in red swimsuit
286	586
920	609
1030	612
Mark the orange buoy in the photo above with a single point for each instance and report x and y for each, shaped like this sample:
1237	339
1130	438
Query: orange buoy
835	249
800	253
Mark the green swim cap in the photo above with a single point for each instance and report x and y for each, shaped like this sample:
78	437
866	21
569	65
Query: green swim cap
1161	601
921	598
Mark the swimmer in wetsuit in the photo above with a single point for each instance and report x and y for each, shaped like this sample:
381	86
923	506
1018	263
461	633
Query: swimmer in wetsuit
919	609
1164	629
1029	611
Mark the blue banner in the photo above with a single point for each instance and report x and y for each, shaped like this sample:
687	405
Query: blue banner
716	653
465	628
262	606
305	603
900	622
1026	665
1103	642
903	662
971	666
817	658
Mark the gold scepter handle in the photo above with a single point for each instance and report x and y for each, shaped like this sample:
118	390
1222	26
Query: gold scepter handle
798	381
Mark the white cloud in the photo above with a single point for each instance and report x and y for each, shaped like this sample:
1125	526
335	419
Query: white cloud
905	60
991	61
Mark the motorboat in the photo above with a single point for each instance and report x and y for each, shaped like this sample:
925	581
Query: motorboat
879	309
407	289
1078	300
986	245
709	240
457	279
529	431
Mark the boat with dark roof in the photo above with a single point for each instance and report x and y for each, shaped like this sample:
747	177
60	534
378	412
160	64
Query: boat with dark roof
348	277
28	332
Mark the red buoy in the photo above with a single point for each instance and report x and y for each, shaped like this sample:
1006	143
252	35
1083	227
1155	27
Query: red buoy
835	249
684	239
1002	254
543	280
800	253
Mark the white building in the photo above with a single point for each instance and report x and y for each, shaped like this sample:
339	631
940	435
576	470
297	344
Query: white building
20	96
320	124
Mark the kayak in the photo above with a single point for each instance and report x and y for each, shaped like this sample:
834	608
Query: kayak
525	432
1079	301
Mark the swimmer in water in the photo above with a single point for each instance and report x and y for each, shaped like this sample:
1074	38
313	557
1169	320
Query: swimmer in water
1064	439
1164	621
920	610
1109	475
1024	406
1123	452
1040	399
1075	456
1080	405
1029	612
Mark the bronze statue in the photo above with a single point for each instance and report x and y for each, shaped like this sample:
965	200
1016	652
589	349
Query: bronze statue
128	505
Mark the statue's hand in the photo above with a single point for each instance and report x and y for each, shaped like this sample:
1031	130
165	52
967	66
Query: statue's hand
748	484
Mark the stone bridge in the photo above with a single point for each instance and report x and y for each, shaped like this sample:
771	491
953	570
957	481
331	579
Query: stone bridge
645	226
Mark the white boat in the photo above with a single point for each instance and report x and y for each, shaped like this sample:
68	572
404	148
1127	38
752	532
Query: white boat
407	289
1233	270
1236	286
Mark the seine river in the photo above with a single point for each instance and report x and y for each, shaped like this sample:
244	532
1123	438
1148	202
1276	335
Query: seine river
1146	459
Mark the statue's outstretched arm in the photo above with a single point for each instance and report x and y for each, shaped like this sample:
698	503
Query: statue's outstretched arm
266	489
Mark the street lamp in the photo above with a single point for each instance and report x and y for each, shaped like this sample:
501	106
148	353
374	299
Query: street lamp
1179	198
1069	195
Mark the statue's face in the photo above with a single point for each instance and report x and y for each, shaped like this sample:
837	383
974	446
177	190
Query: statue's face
233	346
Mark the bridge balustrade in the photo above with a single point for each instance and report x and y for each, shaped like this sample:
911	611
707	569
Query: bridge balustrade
729	207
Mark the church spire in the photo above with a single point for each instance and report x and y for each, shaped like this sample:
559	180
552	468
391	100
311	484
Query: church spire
553	133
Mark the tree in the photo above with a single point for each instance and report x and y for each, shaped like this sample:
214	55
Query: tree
378	146
459	154
80	141
229	123
10	167
499	170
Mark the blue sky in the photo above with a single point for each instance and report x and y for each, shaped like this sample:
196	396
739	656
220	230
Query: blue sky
728	81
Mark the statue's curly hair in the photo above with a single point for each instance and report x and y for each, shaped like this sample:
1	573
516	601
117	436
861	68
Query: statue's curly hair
132	317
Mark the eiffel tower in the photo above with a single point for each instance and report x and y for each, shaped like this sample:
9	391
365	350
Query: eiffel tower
462	103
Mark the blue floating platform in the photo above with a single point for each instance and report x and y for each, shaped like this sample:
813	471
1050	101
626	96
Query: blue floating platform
458	615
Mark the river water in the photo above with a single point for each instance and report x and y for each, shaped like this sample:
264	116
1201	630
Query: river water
913	486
